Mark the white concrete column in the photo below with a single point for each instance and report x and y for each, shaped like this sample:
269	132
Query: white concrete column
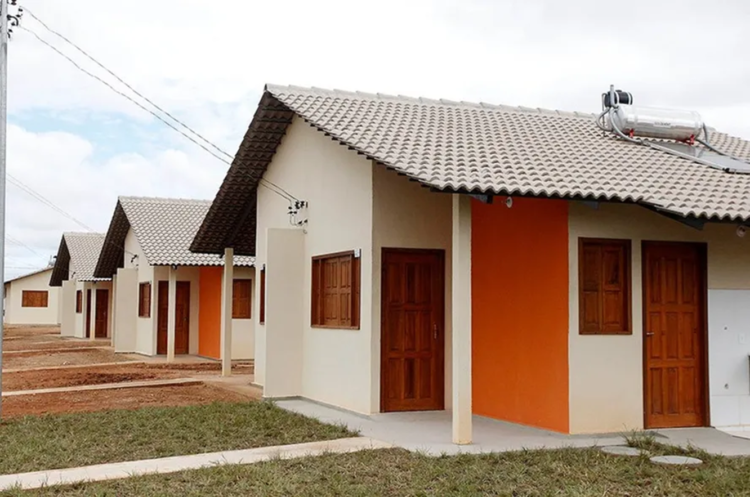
461	295
171	313
227	289
92	310
112	309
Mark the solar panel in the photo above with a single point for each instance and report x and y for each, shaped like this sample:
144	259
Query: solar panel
704	156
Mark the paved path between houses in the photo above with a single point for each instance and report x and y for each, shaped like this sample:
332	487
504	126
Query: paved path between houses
114	471
108	386
74	366
56	349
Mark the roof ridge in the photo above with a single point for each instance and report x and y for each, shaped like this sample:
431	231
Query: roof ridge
82	233
163	199
274	88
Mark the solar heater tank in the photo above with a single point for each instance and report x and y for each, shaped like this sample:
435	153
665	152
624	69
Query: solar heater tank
654	122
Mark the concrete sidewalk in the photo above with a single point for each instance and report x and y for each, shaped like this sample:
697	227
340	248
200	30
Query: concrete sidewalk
108	386
114	471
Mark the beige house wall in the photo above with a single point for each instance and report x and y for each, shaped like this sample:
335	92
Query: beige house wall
67	306
606	372
407	215
337	364
243	330
16	314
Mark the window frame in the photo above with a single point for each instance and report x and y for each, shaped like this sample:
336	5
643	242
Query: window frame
79	301
249	283
262	306
355	284
144	310
626	246
26	296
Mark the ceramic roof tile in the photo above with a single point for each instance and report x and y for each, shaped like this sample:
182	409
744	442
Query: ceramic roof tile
164	228
77	257
460	146
477	148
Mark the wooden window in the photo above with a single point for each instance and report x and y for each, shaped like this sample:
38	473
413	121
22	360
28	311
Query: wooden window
34	298
79	301
262	315
335	291
604	287
144	300
241	299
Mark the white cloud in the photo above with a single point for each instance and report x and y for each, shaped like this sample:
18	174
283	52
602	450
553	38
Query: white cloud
207	62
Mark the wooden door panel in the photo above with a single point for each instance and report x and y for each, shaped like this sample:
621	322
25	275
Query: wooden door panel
102	312
182	318
412	345
162	317
675	336
88	313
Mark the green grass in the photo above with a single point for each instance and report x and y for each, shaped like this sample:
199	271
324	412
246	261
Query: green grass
64	441
396	472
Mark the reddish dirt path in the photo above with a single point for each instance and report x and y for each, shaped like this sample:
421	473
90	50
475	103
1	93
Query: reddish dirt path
30	331
129	398
51	343
62	357
71	377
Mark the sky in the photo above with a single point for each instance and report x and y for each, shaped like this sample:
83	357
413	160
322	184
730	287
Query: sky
80	145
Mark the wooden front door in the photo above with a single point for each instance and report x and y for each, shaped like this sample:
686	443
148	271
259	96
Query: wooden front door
674	335
102	312
412	330
182	318
88	313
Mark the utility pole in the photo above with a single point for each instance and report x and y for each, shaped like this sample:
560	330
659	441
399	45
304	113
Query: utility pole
6	20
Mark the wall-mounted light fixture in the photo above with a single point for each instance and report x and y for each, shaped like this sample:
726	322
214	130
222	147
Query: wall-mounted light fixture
509	202
741	230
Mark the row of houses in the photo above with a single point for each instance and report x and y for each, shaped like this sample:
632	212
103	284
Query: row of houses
411	255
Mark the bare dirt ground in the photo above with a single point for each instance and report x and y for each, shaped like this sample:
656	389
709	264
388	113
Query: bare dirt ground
103	400
55	378
61	357
51	343
30	331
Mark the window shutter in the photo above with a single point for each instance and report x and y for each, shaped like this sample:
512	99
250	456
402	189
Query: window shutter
241	299
262	310
335	291
604	286
79	301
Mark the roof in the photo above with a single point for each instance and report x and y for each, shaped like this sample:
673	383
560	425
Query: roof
76	258
164	228
32	273
475	148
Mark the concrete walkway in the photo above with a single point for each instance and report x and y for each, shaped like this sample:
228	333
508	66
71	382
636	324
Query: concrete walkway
430	432
73	366
711	440
114	471
108	386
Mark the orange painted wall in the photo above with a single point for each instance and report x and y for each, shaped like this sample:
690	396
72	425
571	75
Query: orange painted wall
520	311
209	321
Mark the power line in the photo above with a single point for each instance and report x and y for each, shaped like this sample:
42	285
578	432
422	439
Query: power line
20	243
36	195
268	184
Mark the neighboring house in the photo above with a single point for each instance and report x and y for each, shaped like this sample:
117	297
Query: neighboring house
30	300
610	291
147	253
85	301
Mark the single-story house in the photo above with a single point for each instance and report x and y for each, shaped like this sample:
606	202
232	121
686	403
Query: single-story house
30	300
146	252
85	301
507	262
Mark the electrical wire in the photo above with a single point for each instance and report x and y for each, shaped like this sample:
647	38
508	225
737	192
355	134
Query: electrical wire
36	195
271	186
21	244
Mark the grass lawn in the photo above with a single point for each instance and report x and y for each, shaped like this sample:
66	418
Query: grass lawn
63	441
398	472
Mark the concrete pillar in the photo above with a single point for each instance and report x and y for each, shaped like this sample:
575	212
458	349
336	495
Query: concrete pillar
461	294
126	314
112	309
92	310
68	308
227	288
171	313
285	312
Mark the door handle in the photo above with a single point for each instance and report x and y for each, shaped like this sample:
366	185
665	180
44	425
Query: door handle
434	331
649	334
